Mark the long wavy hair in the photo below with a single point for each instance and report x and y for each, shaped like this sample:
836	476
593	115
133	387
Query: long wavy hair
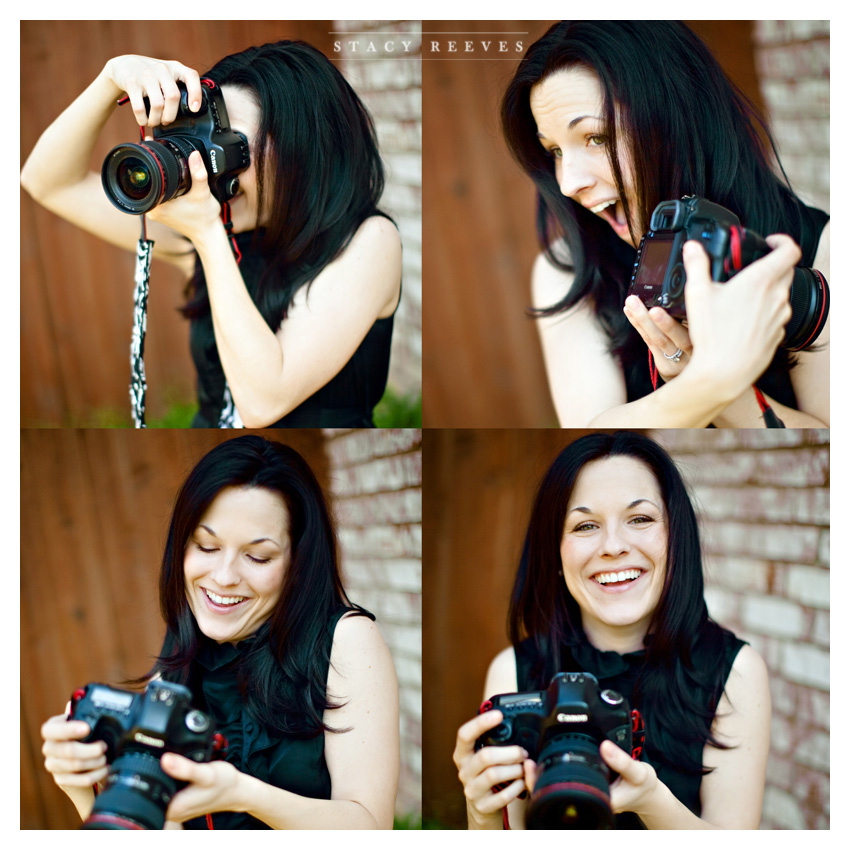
688	130
282	677
543	610
321	169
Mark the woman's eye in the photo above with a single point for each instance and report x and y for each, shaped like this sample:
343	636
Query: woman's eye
257	560
596	141
554	153
642	519
585	526
204	549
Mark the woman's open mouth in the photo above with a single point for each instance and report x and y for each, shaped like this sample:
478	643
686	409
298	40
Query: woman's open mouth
614	213
617	580
222	604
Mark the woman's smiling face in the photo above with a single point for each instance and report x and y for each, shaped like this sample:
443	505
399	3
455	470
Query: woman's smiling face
235	562
614	550
568	109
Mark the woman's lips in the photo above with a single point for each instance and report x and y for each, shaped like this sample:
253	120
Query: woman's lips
620	585
221	608
615	216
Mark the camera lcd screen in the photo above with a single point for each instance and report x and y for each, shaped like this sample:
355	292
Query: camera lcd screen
653	261
517	699
111	700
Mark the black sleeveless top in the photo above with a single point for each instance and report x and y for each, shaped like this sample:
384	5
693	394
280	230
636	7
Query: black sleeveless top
346	401
776	381
620	673
296	764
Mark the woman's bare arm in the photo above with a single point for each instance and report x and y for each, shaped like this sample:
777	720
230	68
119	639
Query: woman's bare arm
56	174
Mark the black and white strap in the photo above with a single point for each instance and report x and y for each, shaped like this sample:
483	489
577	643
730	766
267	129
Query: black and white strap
138	384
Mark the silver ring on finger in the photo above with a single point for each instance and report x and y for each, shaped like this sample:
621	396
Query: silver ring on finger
674	358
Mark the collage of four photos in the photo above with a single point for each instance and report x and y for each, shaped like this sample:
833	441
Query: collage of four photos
425	424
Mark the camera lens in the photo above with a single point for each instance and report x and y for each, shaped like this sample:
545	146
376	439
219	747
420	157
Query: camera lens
137	795
571	791
138	177
809	298
134	178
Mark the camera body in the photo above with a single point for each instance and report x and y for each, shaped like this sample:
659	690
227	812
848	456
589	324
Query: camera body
137	177
137	729
562	728
659	276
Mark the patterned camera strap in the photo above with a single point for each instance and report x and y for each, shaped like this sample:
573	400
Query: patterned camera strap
229	417
138	384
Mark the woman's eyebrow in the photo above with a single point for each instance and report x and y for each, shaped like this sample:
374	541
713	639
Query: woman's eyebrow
581	118
572	124
635	503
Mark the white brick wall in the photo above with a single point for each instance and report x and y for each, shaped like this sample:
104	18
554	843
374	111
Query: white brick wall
390	85
377	500
763	501
792	58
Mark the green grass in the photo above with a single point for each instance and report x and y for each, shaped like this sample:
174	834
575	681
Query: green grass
398	411
393	411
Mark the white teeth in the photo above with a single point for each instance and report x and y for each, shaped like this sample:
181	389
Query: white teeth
223	600
599	207
623	575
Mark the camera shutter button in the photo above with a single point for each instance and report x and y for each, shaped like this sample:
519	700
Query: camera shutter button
611	697
197	721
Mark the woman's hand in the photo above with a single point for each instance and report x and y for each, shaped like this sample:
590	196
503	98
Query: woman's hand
662	334
141	77
736	327
637	783
213	787
194	214
71	763
480	771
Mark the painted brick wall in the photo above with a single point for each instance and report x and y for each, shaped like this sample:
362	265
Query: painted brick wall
793	62
389	81
376	479
763	501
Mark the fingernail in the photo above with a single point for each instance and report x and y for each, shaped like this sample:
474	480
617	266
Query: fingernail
196	105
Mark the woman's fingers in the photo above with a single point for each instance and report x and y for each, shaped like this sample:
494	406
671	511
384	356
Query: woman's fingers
673	330
66	758
493	776
155	80
497	801
59	728
471	731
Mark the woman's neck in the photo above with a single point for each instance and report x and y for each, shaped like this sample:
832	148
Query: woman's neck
619	639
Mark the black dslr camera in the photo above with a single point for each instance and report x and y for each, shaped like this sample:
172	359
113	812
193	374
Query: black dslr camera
659	274
138	177
138	729
562	729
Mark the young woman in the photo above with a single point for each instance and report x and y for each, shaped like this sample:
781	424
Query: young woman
609	118
610	583
259	627
298	333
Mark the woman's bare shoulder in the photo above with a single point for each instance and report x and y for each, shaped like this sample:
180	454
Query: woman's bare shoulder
549	284
501	675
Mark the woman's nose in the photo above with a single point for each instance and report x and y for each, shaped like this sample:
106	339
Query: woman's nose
613	543
573	177
226	573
